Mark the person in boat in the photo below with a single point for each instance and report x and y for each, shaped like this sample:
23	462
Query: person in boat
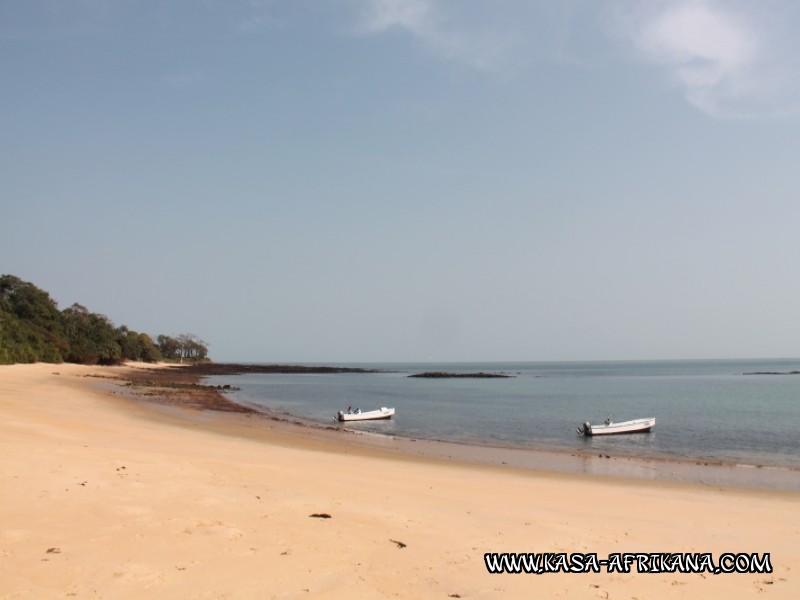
350	410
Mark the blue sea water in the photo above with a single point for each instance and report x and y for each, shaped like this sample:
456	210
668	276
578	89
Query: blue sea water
705	410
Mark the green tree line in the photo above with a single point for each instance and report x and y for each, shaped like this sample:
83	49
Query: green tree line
33	329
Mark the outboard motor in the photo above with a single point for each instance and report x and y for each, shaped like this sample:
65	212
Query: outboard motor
586	429
340	414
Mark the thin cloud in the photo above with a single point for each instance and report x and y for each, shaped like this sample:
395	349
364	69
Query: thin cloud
733	59
259	16
473	34
414	15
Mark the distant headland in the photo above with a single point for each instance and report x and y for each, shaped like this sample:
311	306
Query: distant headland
210	368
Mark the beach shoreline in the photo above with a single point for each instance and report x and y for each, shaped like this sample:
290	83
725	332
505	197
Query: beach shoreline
546	459
112	495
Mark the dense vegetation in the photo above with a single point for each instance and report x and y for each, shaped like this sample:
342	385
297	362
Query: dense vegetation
33	329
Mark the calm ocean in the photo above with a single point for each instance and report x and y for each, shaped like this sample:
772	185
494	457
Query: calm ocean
705	409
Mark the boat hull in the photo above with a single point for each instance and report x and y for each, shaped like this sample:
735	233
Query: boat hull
624	427
370	415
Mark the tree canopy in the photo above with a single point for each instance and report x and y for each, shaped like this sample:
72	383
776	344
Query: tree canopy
33	329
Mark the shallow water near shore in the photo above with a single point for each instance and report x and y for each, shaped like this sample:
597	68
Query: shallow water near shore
706	411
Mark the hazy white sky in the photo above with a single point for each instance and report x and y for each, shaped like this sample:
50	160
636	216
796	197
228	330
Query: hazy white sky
376	180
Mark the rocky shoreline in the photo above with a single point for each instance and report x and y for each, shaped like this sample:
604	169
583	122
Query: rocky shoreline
179	385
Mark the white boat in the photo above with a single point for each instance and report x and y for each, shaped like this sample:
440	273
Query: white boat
358	415
611	428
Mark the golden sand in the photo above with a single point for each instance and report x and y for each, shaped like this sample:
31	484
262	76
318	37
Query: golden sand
104	498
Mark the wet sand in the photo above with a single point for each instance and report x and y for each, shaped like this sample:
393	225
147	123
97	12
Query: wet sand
119	492
578	461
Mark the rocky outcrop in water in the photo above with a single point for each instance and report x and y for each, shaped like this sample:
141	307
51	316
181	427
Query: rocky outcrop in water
446	375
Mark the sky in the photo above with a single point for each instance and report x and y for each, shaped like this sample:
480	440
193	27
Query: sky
410	180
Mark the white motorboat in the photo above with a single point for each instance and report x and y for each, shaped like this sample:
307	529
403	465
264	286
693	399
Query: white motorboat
359	415
611	428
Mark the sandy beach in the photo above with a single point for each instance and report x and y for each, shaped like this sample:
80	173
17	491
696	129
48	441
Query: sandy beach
107	497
